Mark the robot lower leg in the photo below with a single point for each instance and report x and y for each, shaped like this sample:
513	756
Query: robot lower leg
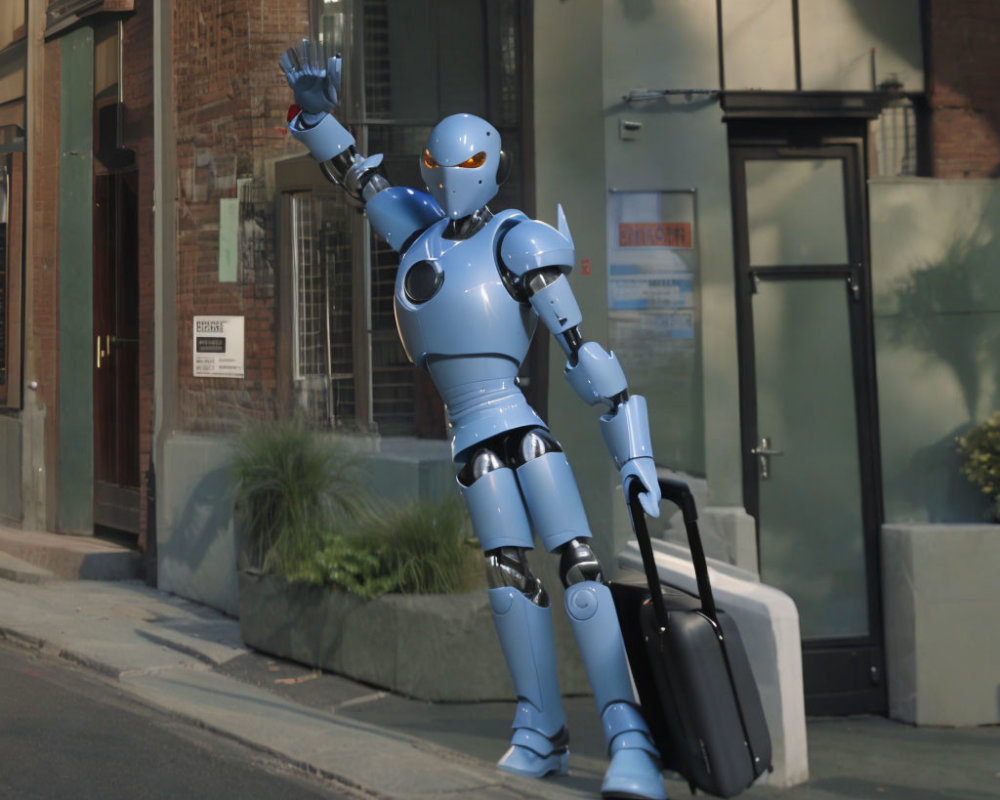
523	618
634	771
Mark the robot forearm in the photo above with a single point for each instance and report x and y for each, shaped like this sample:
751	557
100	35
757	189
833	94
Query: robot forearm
595	374
395	213
626	431
332	145
597	377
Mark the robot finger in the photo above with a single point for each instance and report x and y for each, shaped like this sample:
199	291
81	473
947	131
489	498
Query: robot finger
311	56
649	504
287	67
333	72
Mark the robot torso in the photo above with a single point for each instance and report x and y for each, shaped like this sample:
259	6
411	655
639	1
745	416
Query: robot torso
457	320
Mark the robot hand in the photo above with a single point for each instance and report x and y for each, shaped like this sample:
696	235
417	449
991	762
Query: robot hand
316	84
643	470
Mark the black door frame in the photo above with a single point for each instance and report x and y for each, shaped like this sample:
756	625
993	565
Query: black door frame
843	675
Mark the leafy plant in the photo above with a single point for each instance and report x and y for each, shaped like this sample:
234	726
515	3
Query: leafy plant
980	448
294	489
419	548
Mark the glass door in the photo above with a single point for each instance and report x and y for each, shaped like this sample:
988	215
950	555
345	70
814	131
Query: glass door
808	407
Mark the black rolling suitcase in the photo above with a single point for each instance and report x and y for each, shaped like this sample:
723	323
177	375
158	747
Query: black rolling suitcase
690	668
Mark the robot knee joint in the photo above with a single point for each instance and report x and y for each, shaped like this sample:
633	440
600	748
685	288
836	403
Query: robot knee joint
577	563
536	443
483	461
508	566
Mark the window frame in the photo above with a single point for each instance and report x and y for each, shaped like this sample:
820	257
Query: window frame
297	177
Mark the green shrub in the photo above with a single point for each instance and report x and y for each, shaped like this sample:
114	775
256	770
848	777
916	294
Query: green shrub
419	548
294	489
980	449
301	505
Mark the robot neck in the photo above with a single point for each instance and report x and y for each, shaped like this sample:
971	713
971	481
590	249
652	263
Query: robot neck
465	227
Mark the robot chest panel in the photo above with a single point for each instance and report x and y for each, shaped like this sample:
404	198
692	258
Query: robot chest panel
450	300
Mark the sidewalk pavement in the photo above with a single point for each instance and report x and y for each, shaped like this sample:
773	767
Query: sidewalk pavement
189	661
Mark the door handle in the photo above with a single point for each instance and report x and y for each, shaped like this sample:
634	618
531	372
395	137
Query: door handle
102	352
764	453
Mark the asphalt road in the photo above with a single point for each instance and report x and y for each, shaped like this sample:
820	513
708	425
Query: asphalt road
67	733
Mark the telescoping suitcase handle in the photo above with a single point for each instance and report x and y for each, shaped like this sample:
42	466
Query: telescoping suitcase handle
678	493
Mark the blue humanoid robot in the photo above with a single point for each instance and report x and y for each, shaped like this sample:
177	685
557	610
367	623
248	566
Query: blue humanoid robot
470	289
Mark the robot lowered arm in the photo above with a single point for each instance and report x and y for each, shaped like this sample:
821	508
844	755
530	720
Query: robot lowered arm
538	258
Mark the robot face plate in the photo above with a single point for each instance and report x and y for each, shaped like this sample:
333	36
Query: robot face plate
460	164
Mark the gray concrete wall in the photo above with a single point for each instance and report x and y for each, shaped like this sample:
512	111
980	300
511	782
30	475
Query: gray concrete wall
405	468
569	169
935	246
643	48
11	502
683	144
196	545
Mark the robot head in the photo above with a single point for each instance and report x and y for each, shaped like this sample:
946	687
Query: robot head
463	165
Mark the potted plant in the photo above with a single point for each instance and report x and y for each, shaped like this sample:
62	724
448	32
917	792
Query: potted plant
980	450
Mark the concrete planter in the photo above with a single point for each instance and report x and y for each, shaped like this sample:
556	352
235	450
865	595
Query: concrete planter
941	599
431	647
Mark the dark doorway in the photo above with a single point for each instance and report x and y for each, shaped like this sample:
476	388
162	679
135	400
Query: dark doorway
808	405
116	343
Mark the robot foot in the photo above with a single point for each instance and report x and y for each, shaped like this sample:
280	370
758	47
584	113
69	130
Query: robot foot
634	771
633	775
535	755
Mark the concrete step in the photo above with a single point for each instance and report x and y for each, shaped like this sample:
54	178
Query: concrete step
14	569
69	558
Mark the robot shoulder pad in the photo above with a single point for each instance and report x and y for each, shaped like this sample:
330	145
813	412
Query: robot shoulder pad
531	245
397	213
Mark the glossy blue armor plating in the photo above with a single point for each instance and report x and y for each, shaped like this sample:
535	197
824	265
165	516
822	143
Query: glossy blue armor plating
470	290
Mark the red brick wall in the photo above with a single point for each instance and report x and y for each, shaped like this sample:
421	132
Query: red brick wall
231	101
964	87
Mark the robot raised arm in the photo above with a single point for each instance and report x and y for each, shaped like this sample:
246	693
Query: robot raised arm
537	259
396	213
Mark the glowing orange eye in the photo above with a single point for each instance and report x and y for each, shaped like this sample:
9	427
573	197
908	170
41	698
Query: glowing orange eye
476	161
429	161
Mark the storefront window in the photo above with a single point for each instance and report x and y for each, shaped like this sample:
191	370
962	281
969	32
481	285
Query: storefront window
421	61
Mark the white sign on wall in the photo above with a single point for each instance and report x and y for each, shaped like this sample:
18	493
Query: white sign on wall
218	347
